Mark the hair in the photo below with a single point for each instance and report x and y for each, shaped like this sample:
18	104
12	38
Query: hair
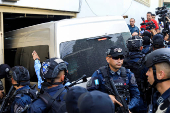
164	66
153	15
149	13
133	19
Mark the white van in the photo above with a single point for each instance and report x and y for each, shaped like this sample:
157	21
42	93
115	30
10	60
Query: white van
82	42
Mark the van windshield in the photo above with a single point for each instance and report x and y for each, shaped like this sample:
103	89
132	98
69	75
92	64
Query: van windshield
87	55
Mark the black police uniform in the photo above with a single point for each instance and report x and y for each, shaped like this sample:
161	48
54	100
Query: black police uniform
156	57
124	80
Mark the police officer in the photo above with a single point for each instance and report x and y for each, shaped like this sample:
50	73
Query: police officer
53	72
21	81
123	78
146	44
158	75
133	61
158	41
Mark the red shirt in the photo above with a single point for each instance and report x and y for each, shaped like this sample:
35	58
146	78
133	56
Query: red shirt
154	21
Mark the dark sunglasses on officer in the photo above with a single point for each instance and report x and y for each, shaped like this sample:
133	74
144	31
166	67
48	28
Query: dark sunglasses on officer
121	57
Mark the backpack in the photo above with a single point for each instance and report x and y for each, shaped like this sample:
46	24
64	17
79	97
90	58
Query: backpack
53	105
32	92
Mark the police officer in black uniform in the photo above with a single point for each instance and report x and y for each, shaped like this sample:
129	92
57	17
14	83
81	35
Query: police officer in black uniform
21	81
133	61
124	79
53	72
158	75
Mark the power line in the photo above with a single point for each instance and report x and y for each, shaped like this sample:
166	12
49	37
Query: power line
128	8
90	8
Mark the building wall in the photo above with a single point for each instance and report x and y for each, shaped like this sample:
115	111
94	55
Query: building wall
132	8
65	5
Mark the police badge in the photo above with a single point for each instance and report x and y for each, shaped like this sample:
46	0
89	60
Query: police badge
45	68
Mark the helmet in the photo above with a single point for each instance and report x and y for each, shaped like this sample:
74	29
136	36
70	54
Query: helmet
51	68
155	57
134	43
21	75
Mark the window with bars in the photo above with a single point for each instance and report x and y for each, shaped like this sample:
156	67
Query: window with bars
144	2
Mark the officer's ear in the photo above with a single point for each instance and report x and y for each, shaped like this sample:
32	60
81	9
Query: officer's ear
141	48
107	59
160	75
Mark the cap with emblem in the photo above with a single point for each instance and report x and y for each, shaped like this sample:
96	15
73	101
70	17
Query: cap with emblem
115	51
51	68
4	70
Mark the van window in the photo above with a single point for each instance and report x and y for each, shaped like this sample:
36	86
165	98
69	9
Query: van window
23	57
85	56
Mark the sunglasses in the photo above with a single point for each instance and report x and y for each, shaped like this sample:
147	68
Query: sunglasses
116	58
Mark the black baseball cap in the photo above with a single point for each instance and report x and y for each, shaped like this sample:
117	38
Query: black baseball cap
95	102
4	70
146	33
71	98
158	41
146	40
115	51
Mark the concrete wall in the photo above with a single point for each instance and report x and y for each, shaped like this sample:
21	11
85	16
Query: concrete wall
65	5
131	8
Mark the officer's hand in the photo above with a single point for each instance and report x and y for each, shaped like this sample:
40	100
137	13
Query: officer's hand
114	100
35	55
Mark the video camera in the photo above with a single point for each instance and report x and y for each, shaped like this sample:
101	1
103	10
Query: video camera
149	25
162	12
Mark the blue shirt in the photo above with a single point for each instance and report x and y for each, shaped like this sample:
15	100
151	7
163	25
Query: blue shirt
133	29
39	106
133	88
146	49
37	67
161	99
20	101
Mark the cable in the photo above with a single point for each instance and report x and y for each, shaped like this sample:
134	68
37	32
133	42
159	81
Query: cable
90	8
80	4
128	8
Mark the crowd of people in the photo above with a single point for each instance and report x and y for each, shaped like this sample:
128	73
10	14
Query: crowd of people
141	77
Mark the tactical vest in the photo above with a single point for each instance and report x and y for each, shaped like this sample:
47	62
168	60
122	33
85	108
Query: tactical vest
163	106
120	83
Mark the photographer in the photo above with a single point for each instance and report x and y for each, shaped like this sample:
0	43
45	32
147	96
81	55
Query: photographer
149	19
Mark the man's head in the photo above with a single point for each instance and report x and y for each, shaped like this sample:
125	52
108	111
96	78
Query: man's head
146	33
146	40
19	76
95	102
115	57
158	63
53	71
134	43
72	98
132	21
4	71
149	16
153	16
158	41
